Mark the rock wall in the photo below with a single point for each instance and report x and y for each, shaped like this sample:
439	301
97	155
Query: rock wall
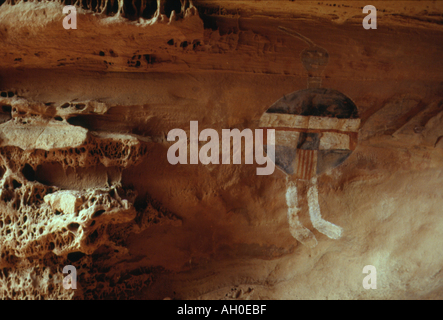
85	179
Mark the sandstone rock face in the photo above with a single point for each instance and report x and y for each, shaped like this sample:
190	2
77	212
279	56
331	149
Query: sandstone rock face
85	179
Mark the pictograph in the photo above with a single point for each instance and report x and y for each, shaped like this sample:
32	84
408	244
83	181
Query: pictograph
316	130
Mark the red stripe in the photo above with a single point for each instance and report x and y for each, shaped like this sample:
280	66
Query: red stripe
305	163
308	171
298	163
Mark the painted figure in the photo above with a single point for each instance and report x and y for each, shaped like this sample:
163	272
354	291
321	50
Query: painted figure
316	130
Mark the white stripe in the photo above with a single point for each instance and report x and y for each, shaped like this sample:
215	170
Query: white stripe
269	120
287	138
333	140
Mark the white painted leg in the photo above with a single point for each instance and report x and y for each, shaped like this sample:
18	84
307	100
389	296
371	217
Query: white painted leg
298	231
327	228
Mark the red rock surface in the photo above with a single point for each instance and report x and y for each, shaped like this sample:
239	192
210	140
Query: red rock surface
85	175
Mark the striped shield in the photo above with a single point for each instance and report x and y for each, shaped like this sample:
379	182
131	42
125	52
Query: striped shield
315	130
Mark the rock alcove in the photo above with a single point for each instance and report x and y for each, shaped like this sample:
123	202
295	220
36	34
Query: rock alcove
85	179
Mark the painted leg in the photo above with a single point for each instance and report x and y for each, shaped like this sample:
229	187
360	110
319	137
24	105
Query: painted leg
323	226
298	231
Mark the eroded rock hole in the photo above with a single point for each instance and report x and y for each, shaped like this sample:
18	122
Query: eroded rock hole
149	10
195	44
93	237
15	203
6	114
150	59
7	109
49	174
16	184
75	256
78	121
171	5
112	8
89	4
131	10
68	178
98	213
28	172
73	227
7	94
209	18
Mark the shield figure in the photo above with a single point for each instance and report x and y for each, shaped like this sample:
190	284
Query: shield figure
316	129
